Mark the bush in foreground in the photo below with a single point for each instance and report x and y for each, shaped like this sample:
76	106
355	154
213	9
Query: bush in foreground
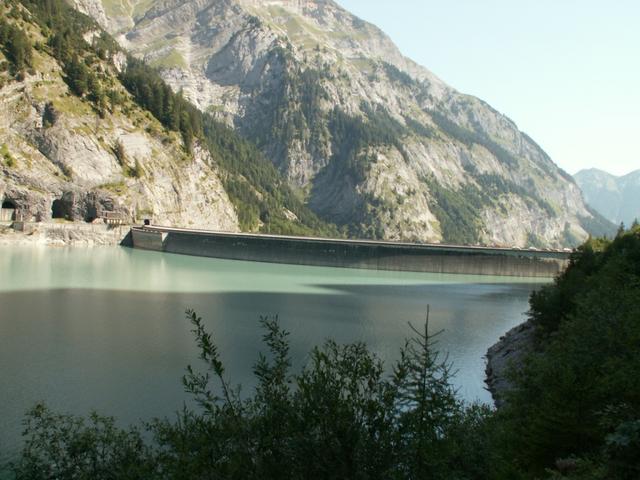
340	417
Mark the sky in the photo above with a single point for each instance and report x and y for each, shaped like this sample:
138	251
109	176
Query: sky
566	71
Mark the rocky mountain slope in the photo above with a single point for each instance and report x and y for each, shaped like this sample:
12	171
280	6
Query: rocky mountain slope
90	132
371	141
63	158
617	198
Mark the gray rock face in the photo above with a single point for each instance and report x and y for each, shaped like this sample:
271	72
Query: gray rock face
279	70
617	198
505	356
66	168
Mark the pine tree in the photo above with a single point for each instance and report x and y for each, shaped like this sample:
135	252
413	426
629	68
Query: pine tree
77	76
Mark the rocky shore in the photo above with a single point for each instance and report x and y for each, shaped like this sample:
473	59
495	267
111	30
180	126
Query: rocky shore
63	234
509	351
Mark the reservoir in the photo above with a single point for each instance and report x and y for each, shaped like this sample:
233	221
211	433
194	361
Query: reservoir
103	328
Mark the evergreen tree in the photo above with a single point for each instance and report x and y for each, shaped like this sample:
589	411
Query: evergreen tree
16	45
77	76
578	392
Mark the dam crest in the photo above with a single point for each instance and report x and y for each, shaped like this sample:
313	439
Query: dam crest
361	254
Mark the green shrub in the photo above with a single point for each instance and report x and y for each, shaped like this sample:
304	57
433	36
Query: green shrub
577	395
9	161
17	47
340	417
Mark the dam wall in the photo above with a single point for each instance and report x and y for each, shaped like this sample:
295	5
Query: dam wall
360	254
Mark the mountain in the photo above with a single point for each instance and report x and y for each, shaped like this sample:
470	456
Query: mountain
365	138
58	148
617	198
86	130
371	140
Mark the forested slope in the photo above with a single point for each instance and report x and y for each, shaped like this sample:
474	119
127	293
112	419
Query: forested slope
577	396
103	131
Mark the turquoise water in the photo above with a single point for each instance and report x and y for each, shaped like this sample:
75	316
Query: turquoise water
104	328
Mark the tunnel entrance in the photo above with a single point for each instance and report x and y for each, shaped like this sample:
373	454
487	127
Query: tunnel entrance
8	211
61	209
91	214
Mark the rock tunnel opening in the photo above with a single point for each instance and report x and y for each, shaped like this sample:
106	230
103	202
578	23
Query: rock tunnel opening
91	214
61	209
8	211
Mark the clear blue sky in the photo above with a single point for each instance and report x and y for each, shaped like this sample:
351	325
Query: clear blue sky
566	71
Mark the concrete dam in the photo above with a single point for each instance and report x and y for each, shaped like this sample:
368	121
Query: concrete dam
363	254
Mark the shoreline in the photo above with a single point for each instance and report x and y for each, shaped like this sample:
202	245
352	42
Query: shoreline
64	234
509	351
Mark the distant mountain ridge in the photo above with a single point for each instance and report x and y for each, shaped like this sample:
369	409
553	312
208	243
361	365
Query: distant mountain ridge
617	198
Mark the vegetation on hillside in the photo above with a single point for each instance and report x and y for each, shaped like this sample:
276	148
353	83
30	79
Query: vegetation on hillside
16	46
299	116
597	225
262	198
574	412
577	401
458	212
469	137
352	137
295	112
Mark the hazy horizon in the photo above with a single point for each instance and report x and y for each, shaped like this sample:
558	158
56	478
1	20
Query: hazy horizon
565	72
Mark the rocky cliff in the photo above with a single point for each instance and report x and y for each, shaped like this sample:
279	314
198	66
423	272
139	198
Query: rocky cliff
371	140
63	158
617	198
